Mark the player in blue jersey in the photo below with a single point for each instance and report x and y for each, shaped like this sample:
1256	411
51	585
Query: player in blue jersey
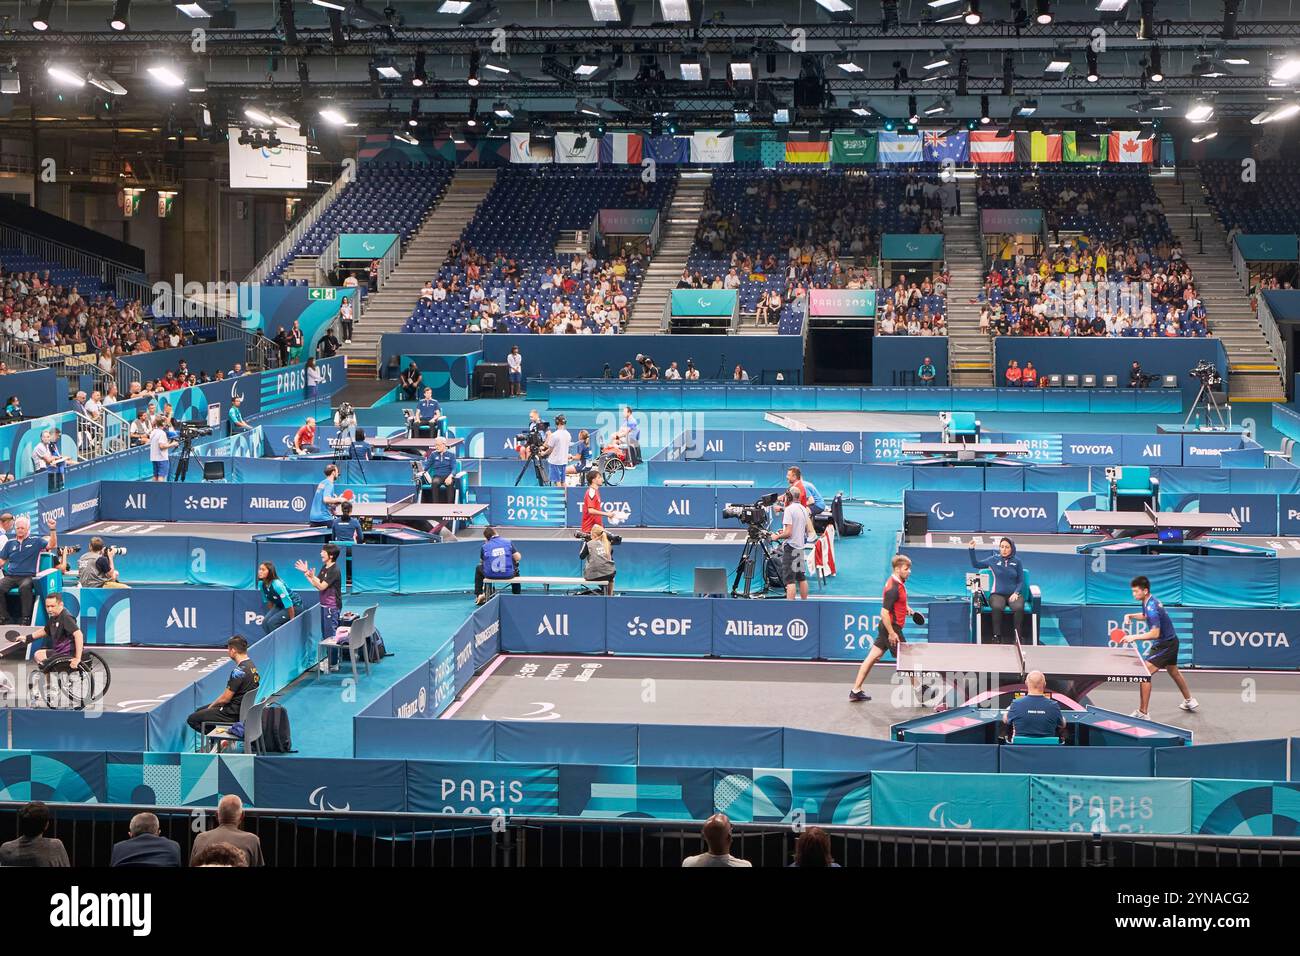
1164	645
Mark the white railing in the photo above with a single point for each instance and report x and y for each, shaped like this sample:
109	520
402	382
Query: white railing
1273	335
308	219
1242	267
116	430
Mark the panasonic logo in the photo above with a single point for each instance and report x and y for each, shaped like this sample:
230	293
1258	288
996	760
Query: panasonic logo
1259	639
1203	452
1021	511
1092	450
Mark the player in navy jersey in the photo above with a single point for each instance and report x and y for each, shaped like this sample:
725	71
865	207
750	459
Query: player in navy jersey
1164	646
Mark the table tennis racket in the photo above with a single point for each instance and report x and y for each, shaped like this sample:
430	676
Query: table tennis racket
1117	635
918	617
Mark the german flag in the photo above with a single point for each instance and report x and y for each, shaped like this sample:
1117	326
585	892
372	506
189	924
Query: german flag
808	152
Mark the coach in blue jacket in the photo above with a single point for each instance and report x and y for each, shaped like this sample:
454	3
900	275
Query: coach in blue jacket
1008	588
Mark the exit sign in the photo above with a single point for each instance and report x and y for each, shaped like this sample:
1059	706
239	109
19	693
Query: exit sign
316	294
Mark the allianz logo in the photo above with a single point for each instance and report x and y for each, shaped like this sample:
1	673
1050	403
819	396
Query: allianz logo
1269	639
658	626
846	446
416	706
298	503
1092	449
1019	511
796	629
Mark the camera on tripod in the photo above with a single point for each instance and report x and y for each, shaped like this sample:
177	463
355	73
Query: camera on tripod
190	430
535	437
1207	373
755	516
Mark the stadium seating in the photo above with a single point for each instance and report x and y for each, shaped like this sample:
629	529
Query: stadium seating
1270	205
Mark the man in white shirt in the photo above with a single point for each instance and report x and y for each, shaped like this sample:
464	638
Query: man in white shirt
796	525
673	374
159	445
515	362
557	446
717	836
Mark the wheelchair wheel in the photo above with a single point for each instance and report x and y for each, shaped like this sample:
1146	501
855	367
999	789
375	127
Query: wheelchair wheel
78	688
612	470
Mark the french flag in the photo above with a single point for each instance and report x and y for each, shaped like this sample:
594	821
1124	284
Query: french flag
621	148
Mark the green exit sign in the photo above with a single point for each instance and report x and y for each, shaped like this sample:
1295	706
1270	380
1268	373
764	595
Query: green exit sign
322	293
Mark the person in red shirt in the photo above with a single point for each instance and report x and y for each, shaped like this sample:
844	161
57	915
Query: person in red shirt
305	440
592	513
894	614
1013	373
1029	375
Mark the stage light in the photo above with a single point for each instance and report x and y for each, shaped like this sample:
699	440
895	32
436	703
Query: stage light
42	19
121	10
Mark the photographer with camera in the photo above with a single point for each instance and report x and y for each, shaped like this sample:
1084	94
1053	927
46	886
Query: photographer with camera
95	568
597	554
345	423
557	449
796	528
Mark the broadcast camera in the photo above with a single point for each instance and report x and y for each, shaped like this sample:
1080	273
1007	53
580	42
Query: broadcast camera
755	515
1207	374
190	430
535	437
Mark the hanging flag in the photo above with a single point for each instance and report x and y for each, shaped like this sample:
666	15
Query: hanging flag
806	152
1083	147
621	148
576	148
941	148
713	146
668	149
899	147
523	149
1126	147
853	148
1038	147
986	146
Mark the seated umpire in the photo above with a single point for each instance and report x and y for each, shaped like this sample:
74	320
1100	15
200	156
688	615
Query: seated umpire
18	560
1035	714
500	561
428	417
1008	583
439	478
244	679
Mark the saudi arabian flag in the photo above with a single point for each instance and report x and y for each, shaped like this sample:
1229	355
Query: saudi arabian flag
853	148
1084	147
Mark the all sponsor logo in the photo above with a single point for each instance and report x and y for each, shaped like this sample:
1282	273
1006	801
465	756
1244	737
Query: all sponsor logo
553	625
186	618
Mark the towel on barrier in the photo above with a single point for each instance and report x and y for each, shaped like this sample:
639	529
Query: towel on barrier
824	552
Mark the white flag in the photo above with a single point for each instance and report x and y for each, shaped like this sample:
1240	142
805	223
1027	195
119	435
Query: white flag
576	148
713	147
523	150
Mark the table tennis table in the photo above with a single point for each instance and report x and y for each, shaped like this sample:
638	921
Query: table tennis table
409	510
404	442
1071	670
1131	524
13	638
960	451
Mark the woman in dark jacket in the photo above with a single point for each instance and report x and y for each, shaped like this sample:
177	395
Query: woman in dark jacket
1008	588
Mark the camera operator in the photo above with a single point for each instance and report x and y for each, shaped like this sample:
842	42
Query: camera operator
557	449
95	568
160	443
428	417
597	554
796	525
438	481
345	423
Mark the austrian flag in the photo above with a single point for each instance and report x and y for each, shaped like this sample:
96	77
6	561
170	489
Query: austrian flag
986	146
1126	147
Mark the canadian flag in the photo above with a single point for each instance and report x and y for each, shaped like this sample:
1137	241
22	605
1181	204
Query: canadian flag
1126	147
986	146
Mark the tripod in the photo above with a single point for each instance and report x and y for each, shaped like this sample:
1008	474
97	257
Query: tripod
534	459
183	463
756	541
1207	401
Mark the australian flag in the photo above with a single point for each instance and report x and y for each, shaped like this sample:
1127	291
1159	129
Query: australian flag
941	147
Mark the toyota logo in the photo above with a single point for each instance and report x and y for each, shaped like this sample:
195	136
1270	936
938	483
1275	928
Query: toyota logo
797	629
299	503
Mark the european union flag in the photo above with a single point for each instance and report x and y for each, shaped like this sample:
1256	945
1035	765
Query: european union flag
939	147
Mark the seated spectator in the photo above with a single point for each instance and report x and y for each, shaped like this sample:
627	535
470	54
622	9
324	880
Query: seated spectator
717	837
33	848
145	847
813	850
230	818
1013	374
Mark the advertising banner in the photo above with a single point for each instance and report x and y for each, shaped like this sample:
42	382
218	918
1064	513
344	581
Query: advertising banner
1264	248
950	801
703	302
365	245
1243	638
946	510
1152	449
1011	221
544	624
678	507
1204	450
1110	804
628	222
528	507
775	629
1258	514
842	303
843	447
911	248
681	627
886	446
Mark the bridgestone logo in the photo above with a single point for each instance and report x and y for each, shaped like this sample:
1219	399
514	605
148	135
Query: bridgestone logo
85	505
485	635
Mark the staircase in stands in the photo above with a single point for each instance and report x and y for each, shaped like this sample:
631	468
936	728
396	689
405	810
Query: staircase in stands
1254	374
970	351
668	261
388	309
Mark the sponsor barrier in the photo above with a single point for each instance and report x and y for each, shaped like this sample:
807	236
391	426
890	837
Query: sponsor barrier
852	796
